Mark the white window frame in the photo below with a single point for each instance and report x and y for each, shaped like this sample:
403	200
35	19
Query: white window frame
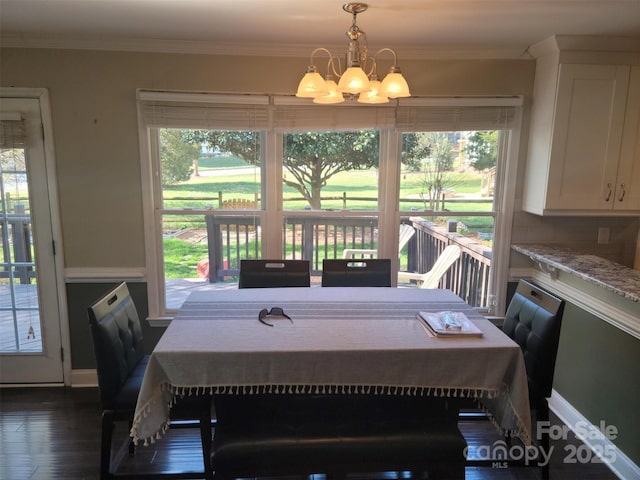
272	214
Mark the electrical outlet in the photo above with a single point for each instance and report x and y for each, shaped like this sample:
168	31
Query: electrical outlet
603	235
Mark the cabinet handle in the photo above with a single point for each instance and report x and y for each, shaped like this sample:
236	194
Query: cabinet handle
622	192
609	192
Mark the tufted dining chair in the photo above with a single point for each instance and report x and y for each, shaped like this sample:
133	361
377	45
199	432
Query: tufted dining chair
120	361
533	320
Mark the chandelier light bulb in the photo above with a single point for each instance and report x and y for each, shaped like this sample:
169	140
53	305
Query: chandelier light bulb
312	84
394	85
373	96
354	80
334	95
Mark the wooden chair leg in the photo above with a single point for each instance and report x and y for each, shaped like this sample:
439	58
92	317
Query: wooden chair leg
205	437
105	444
542	415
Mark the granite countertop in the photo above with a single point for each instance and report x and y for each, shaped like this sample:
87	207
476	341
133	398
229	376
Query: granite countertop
612	276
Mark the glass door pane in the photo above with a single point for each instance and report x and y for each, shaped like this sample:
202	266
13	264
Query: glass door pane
19	312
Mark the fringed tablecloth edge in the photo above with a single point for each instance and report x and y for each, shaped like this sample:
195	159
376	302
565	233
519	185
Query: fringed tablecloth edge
476	393
328	389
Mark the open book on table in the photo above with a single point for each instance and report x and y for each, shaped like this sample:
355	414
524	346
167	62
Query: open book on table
449	324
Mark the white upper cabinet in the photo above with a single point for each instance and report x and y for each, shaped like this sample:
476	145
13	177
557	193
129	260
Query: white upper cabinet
628	181
584	140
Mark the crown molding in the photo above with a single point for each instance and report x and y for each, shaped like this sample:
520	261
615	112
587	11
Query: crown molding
200	47
586	43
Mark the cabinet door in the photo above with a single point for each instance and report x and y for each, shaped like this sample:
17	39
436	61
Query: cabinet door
590	108
627	191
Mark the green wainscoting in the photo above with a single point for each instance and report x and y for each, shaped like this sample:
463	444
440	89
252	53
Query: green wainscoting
598	373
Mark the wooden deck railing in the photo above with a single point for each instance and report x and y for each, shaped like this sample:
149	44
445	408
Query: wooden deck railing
469	276
235	237
317	238
17	259
232	238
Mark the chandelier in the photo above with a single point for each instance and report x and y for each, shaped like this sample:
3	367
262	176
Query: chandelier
354	81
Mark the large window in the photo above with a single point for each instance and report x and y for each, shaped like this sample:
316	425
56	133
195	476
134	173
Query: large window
233	177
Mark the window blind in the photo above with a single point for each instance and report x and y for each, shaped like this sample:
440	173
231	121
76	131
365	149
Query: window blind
12	133
287	114
454	118
297	118
204	111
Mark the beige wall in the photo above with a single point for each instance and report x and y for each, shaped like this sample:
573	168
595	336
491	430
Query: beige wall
96	139
95	123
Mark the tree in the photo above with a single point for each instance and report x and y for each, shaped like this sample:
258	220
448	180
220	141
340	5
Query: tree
414	150
310	158
482	149
434	153
437	166
177	156
313	158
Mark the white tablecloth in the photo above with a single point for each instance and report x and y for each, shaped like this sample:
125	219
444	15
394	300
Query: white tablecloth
352	340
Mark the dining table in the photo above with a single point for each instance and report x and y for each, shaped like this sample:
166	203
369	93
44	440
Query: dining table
337	340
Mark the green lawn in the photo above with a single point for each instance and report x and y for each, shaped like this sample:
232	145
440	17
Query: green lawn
206	163
181	257
204	191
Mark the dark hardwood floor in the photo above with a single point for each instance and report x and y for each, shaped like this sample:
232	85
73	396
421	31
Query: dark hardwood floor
54	433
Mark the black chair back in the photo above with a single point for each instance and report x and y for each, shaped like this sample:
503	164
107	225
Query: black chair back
533	321
274	273
356	273
117	341
121	364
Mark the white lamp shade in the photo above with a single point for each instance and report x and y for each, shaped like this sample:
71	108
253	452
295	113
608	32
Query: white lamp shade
354	80
334	95
372	95
394	86
312	85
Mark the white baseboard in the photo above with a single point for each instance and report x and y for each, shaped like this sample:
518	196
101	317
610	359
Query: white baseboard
622	466
84	378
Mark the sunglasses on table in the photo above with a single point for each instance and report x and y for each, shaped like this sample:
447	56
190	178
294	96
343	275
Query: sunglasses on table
274	312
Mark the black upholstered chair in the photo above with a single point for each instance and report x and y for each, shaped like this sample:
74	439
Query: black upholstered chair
533	321
336	434
274	273
121	362
356	272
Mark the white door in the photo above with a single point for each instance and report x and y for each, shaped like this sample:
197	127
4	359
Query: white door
30	327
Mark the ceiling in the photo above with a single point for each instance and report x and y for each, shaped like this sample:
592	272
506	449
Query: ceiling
417	28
